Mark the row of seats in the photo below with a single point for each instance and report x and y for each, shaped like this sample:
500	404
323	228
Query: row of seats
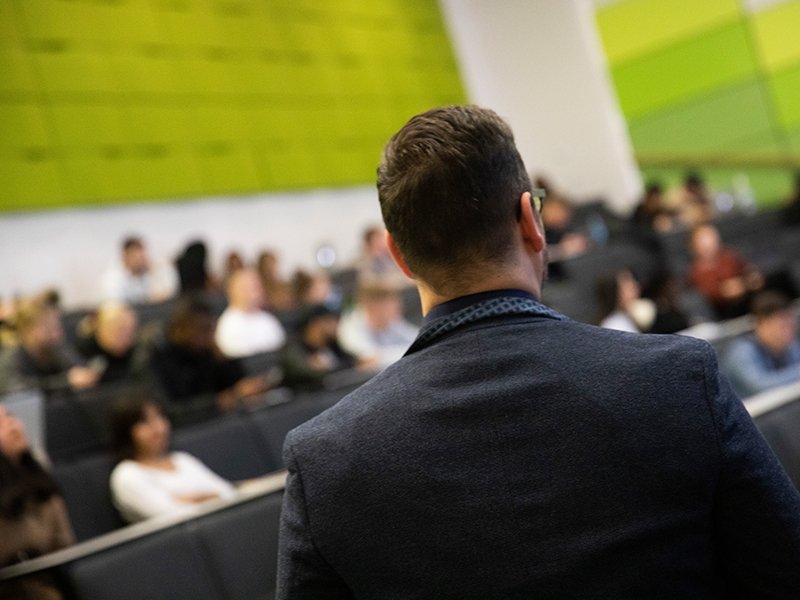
226	553
238	447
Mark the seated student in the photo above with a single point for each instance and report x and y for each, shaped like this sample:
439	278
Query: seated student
375	327
725	279
620	304
43	359
375	264
188	364
149	480
315	352
770	357
111	343
135	279
245	328
33	517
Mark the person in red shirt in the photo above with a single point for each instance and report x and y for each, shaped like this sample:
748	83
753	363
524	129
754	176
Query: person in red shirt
725	279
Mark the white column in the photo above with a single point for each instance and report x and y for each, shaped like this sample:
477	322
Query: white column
540	65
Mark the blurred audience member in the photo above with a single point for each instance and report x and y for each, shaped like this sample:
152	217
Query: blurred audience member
651	213
43	359
770	357
670	318
316	352
245	328
312	289
33	517
233	263
620	304
193	269
376	328
563	238
188	364
278	293
376	265
134	279
720	274
110	344
149	480
692	201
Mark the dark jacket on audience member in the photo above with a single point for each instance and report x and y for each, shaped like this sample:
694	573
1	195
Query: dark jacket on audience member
184	374
513	454
19	370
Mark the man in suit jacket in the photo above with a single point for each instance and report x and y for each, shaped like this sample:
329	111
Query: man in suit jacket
513	453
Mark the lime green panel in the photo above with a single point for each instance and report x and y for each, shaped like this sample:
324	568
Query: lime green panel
29	183
67	73
84	126
775	30
23	125
10	34
157	124
682	71
794	140
786	93
635	27
172	174
227	169
710	124
16	73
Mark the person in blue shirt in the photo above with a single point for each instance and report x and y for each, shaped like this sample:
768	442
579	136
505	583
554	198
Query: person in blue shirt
770	356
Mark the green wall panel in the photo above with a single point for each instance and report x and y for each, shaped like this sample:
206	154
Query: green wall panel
775	30
786	93
678	72
630	29
710	124
124	100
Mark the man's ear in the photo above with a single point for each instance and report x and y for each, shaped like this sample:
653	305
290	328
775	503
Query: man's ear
397	256
530	224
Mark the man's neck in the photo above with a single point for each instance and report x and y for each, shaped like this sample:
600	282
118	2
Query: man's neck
493	281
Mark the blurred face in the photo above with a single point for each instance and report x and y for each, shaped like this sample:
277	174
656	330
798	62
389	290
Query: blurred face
382	312
13	441
151	434
116	332
135	260
705	243
246	292
44	334
777	331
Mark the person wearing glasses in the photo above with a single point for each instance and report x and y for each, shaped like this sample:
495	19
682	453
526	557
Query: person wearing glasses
513	453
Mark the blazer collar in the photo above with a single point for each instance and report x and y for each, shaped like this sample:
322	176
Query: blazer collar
482	309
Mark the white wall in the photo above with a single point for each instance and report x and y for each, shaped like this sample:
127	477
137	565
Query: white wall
69	249
540	65
536	62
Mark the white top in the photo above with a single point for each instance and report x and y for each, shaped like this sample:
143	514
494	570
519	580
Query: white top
241	333
387	346
119	284
620	321
140	492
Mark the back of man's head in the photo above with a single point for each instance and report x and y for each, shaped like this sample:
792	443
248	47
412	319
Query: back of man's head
449	185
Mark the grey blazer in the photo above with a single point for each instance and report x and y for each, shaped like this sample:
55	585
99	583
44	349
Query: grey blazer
515	454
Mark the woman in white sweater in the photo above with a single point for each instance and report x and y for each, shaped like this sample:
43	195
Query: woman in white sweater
149	480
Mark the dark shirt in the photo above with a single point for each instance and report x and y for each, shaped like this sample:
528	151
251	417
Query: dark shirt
184	374
298	371
18	369
116	368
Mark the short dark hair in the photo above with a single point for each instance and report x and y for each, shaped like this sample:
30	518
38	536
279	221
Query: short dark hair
767	303
23	484
449	185
132	241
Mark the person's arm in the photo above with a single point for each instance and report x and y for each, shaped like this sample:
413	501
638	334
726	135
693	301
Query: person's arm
749	374
757	509
136	494
303	573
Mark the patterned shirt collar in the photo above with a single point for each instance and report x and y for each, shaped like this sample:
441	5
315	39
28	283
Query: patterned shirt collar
457	312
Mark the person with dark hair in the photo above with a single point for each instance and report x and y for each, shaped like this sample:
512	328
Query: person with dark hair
278	293
43	358
315	352
651	214
135	279
375	265
770	356
149	480
621	306
193	274
33	517
188	363
513	453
